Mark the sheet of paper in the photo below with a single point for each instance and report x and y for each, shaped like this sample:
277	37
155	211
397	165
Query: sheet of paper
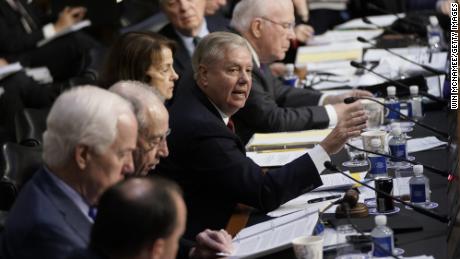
380	20
421	144
273	235
275	158
40	74
280	139
76	27
330	52
301	203
338	181
9	69
339	36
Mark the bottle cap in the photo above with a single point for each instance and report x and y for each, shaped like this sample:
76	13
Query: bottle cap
418	169
434	20
290	68
396	131
391	91
376	142
413	89
381	220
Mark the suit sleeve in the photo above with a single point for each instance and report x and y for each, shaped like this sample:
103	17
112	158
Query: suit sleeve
231	172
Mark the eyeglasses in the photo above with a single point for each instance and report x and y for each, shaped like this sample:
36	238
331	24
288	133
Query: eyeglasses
155	140
285	25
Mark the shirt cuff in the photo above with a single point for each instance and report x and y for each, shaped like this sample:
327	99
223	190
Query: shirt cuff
48	31
321	99
332	115
318	155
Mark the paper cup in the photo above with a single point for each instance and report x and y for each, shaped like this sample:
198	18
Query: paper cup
369	135
308	247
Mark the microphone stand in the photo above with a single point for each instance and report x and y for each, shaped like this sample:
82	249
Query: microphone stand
428	95
425	67
329	165
432	169
404	117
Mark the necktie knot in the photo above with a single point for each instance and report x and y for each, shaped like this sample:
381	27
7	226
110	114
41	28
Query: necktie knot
196	40
231	125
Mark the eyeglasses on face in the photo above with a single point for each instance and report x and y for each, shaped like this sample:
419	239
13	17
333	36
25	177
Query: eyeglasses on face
285	25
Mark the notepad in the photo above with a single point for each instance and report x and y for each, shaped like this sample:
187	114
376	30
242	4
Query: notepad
275	158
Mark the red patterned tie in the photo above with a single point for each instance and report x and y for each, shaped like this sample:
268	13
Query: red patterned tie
231	125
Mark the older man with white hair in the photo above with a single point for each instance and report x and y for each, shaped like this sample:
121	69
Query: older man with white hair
268	26
88	144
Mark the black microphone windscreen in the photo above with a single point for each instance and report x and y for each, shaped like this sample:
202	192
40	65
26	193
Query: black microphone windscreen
349	100
361	39
366	20
356	64
329	165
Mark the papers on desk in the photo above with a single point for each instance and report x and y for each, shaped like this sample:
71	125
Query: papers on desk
348	35
286	140
422	144
330	52
76	27
273	235
379	20
275	158
9	69
338	181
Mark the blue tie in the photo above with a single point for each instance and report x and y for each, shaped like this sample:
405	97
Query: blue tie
92	212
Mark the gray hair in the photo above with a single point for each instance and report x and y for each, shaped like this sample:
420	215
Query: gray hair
85	115
144	99
246	10
213	47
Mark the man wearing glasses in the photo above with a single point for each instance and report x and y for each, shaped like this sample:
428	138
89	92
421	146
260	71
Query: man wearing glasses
268	25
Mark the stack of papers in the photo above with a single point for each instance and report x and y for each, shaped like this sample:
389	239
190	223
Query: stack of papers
378	20
331	52
275	158
348	35
286	140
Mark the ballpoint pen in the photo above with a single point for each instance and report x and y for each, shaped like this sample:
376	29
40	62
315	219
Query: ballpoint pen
324	198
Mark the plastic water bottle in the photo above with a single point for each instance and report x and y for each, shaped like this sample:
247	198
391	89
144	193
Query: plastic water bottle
393	103
419	187
434	35
397	145
378	164
290	79
382	238
415	102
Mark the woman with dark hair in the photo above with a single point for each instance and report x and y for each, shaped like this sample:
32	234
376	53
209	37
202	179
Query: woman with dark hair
142	56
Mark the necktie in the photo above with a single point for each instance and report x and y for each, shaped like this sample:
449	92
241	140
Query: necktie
196	40
231	125
92	212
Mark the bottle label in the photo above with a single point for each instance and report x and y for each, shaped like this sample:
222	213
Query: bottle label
398	151
416	109
417	193
409	109
378	165
393	115
290	81
383	246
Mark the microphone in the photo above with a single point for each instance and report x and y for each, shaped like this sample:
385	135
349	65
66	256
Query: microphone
329	165
428	95
432	169
425	67
349	100
406	21
368	21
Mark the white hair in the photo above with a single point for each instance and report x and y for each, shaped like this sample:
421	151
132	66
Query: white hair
143	97
246	10
85	115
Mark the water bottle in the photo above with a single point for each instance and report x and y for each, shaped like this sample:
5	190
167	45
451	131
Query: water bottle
290	79
419	187
393	103
434	35
378	164
415	102
397	145
382	238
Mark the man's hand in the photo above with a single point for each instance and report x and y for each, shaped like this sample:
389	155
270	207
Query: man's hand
3	62
68	17
336	99
211	242
348	127
303	32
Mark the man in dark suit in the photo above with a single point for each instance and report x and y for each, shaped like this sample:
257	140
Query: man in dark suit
23	25
187	25
88	146
208	160
268	25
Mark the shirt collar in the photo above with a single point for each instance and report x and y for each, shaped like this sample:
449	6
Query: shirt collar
73	195
188	41
223	116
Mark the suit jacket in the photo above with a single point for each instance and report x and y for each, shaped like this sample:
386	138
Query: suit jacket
44	223
209	162
182	59
274	107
